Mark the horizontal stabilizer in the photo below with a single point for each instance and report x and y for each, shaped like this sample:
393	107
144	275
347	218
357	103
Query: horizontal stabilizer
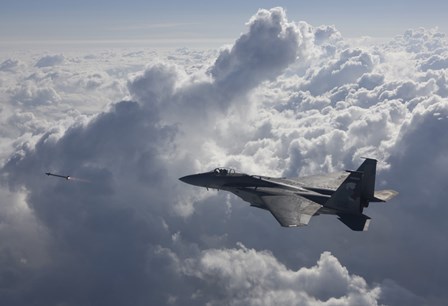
384	195
355	222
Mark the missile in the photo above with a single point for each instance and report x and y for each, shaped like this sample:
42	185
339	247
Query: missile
67	177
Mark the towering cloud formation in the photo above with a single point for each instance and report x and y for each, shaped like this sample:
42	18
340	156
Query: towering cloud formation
269	47
285	99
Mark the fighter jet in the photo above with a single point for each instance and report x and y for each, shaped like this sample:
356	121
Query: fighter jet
67	177
294	201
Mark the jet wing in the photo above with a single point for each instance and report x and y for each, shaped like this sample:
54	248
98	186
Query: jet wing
326	181
290	210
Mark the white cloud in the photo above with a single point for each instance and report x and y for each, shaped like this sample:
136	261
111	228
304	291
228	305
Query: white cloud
50	60
248	277
10	65
346	69
269	46
28	93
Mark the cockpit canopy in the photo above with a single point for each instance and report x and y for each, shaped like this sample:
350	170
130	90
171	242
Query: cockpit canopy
223	171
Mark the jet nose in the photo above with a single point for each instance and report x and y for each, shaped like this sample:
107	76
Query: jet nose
184	179
194	179
189	179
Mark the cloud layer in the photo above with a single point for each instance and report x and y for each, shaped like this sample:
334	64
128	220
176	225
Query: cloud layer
285	99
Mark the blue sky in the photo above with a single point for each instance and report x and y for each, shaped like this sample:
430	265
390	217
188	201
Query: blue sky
185	20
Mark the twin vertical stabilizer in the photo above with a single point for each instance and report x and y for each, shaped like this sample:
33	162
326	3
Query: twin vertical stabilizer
355	193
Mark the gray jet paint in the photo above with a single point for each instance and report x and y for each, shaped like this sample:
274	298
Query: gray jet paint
294	201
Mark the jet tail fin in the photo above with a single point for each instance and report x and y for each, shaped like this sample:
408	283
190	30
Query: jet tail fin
357	190
346	198
368	193
355	222
368	168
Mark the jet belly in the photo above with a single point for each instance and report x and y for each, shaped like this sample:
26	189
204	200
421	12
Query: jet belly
247	194
253	194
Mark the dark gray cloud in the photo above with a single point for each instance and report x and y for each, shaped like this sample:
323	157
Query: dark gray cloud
99	239
126	231
420	173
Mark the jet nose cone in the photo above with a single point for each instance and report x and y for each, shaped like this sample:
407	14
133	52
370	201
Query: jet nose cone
194	179
184	179
189	179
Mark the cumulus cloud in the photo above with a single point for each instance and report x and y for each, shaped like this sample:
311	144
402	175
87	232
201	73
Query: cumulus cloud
91	205
50	60
346	69
246	277
269	46
10	65
235	72
127	232
29	93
